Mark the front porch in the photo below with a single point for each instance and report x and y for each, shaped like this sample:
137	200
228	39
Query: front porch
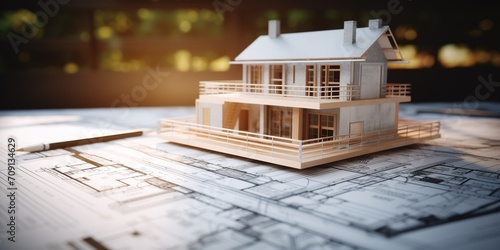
298	154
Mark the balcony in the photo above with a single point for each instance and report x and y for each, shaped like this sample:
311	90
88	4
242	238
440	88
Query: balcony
295	153
226	88
313	97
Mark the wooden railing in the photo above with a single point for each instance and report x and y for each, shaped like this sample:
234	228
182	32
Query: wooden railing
296	150
344	93
398	89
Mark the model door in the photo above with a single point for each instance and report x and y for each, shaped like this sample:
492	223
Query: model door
206	116
243	120
356	129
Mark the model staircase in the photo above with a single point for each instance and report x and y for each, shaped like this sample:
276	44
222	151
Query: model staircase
231	114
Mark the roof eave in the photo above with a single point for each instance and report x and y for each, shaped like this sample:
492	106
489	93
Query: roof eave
328	60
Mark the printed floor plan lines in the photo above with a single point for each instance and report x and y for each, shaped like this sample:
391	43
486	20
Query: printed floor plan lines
145	193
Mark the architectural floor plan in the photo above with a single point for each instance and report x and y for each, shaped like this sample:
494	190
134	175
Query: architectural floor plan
142	193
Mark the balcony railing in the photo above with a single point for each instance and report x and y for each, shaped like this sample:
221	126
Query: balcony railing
186	130
330	92
398	89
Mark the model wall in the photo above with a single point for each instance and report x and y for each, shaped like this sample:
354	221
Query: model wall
216	112
298	77
375	117
373	55
350	73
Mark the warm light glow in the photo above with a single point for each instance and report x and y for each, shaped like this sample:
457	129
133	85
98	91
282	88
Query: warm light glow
482	56
84	36
207	15
71	68
495	59
405	33
452	55
125	67
105	32
122	22
184	26
409	51
114	61
22	17
410	34
188	19
114	65
116	55
144	13
182	60
136	65
192	16
199	63
417	59
220	64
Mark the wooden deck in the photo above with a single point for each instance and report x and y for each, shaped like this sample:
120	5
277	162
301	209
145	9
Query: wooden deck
298	154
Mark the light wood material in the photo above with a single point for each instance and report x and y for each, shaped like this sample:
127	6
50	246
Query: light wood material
297	126
327	99
231	114
296	153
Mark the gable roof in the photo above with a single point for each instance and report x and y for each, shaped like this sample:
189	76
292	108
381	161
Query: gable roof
316	45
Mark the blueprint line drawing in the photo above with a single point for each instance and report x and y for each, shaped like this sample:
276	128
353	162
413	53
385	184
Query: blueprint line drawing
177	197
145	193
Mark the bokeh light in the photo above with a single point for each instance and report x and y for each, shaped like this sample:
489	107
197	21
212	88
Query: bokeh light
71	68
416	59
453	55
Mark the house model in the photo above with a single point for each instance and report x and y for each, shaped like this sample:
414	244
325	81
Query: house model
305	99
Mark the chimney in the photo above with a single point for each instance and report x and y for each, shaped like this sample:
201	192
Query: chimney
375	23
274	28
350	32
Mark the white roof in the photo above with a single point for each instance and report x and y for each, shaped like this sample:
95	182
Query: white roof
315	45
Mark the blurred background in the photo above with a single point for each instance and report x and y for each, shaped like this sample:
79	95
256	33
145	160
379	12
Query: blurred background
119	53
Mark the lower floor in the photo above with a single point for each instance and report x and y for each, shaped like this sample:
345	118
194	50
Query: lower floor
294	153
298	123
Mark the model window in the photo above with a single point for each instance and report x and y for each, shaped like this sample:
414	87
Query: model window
280	122
330	81
277	76
255	78
311	89
321	125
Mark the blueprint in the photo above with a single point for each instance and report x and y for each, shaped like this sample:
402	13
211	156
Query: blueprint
143	193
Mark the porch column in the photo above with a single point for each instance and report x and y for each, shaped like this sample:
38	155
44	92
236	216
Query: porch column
262	120
297	124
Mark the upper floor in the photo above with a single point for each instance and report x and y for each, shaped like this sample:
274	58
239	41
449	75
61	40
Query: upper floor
322	66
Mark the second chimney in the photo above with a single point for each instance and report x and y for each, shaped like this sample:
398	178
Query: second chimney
375	23
274	28
350	32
